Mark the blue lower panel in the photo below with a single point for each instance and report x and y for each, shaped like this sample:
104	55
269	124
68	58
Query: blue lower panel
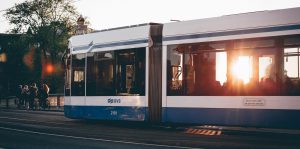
238	117
106	113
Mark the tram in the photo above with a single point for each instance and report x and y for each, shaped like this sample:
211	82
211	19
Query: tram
240	69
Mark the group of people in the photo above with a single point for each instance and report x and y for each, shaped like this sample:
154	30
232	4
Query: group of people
31	97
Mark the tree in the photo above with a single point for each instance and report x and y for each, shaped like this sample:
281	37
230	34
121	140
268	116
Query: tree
47	24
48	21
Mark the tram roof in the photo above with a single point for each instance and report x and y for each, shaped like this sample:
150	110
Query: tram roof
110	39
176	32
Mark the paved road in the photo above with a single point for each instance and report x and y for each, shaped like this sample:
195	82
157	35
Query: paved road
40	129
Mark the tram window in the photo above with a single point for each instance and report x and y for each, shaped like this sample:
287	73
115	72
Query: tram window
196	69
78	74
130	72
291	71
253	73
120	73
209	69
291	62
250	68
266	66
100	74
174	71
291	79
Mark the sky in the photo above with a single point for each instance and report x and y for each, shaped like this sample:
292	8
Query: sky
104	14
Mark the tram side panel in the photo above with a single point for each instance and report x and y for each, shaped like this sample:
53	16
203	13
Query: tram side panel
239	69
114	88
216	83
112	81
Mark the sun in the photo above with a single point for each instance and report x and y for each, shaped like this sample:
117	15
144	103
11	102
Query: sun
242	69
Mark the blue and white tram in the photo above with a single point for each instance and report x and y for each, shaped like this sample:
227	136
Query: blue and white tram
241	69
107	71
238	69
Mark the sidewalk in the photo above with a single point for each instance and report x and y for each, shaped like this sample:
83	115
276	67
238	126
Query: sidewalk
10	103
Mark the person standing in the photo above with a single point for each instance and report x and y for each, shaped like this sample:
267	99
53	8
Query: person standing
19	96
33	91
43	95
25	94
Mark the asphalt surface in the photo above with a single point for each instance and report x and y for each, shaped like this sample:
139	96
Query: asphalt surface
45	129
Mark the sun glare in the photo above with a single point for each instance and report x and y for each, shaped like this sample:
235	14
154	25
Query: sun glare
242	69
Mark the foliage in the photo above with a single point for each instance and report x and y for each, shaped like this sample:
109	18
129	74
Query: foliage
48	21
46	25
34	14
